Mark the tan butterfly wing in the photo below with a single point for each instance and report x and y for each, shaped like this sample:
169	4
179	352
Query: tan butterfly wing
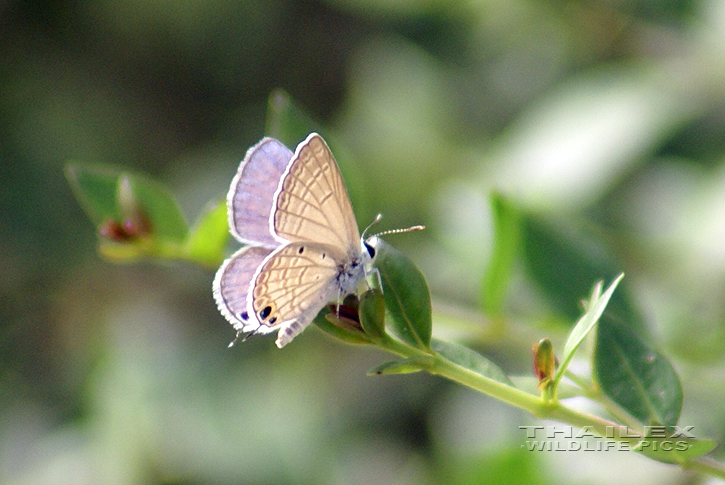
292	286
311	203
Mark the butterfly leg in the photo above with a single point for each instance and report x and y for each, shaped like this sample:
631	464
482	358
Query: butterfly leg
244	339
236	337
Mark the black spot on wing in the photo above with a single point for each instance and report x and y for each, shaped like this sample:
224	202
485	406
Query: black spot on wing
265	312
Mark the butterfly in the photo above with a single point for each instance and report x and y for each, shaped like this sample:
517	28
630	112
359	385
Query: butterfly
303	247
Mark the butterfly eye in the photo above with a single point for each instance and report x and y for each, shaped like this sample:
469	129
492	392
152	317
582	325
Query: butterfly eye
370	249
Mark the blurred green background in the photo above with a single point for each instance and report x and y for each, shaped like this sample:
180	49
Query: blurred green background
603	121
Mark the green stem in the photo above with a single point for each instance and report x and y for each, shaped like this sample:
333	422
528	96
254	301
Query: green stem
706	466
542	409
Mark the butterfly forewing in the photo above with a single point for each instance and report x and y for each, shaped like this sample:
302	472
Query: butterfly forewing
312	203
251	195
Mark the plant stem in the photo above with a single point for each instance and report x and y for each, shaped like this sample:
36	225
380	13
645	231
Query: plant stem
540	408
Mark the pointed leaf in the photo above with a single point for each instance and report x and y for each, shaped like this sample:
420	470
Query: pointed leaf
594	311
288	123
339	328
597	303
406	295
507	240
209	235
372	314
565	258
405	366
675	450
111	194
160	206
471	360
636	376
95	189
285	121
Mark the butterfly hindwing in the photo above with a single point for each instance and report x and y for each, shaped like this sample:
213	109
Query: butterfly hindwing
232	285
293	284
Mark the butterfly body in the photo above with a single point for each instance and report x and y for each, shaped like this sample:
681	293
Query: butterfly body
304	250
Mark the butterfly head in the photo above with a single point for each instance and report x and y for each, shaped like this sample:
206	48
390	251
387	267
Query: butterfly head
369	248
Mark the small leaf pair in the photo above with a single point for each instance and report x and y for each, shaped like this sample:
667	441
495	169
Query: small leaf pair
137	217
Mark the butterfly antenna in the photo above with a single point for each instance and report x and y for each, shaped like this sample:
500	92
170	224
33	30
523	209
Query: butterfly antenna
398	231
391	231
377	219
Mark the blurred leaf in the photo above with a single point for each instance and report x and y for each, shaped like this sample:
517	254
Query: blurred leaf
167	221
636	376
107	193
285	121
595	307
406	296
471	360
209	235
675	450
289	124
372	313
506	243
95	188
134	215
405	366
564	261
501	466
578	140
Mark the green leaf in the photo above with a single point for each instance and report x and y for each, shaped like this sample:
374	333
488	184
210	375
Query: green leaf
565	258
163	212
406	295
95	187
134	215
506	242
471	360
597	303
405	366
340	329
372	314
285	121
636	376
111	194
503	465
209	235
675	450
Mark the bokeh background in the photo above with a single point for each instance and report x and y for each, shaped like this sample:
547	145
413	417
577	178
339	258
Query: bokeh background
604	120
